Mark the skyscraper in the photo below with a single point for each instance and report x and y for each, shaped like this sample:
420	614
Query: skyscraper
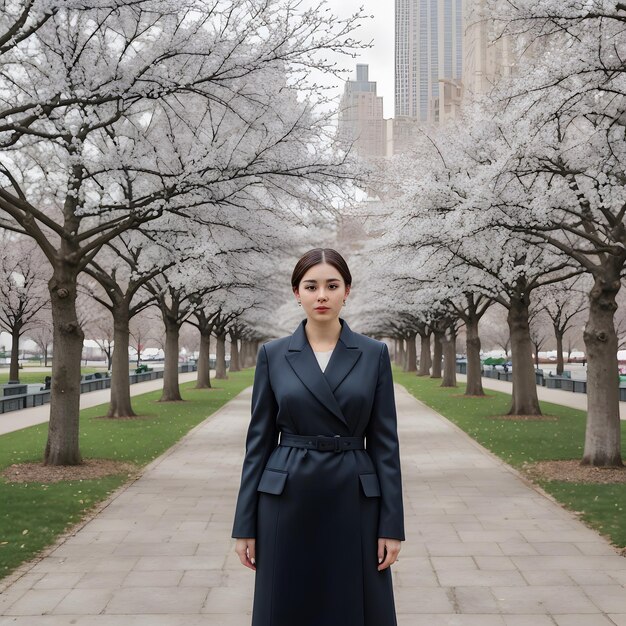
361	115
487	59
428	58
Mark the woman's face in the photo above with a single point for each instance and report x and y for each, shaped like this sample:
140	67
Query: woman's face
322	292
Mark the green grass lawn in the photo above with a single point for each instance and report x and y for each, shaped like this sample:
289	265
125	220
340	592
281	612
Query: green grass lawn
33	515
31	378
516	442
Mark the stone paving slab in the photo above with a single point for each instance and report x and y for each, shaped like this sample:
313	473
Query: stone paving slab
484	547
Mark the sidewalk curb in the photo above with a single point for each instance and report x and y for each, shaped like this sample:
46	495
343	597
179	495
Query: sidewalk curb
90	514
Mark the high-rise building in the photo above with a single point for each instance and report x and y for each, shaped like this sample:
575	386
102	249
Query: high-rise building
487	58
428	58
361	115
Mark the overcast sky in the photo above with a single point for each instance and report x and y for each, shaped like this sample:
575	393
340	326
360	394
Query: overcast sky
380	29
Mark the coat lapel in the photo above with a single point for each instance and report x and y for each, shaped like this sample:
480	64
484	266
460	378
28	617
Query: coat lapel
322	384
343	359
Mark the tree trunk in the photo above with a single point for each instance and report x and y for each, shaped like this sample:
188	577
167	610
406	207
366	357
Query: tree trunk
437	355
62	445
424	369
252	353
474	385
449	359
220	356
245	353
244	347
204	375
524	400
401	354
253	349
411	354
560	366
14	367
234	355
537	357
602	435
171	390
120	405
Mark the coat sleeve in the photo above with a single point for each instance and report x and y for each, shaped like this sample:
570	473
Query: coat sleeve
383	447
261	439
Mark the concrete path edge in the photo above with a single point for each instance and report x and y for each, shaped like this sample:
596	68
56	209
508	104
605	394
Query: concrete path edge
518	474
25	567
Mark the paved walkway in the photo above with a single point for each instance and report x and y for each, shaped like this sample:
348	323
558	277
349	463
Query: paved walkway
557	396
483	547
16	420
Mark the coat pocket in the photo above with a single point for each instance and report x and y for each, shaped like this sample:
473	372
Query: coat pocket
370	484
272	481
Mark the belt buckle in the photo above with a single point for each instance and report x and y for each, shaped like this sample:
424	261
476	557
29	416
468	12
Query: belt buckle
328	443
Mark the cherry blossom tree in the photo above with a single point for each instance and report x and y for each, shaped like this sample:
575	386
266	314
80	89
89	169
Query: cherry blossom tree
22	293
449	211
459	289
386	300
538	330
563	304
145	331
116	113
176	303
273	314
562	114
102	332
495	330
121	270
41	334
203	320
425	361
189	341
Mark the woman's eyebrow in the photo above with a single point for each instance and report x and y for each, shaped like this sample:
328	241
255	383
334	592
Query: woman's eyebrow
328	280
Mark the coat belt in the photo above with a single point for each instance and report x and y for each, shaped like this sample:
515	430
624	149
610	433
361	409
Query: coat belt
322	442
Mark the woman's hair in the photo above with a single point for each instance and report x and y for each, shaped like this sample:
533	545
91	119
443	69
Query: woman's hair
317	256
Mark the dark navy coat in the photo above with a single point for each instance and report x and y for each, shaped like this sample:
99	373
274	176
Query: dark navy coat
317	515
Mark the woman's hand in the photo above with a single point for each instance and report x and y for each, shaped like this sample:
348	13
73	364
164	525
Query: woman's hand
245	550
392	547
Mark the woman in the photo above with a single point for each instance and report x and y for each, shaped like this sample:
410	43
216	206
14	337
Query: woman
319	514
